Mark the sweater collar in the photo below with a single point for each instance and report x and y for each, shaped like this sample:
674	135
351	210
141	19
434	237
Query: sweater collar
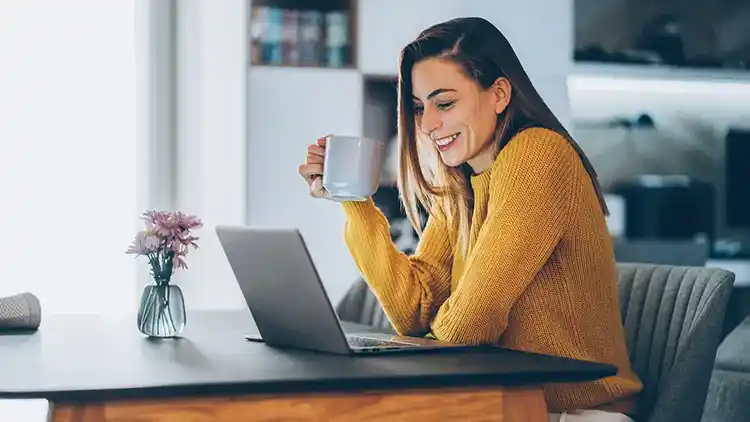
480	184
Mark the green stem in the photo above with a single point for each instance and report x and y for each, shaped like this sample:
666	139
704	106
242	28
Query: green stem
170	320
147	309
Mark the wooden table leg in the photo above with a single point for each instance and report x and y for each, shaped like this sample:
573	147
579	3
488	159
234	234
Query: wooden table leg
466	405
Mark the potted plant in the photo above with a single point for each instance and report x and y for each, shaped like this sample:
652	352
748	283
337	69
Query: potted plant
165	242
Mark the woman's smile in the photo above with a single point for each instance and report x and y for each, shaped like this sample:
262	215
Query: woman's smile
445	143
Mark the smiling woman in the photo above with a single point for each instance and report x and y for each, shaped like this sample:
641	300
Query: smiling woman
451	76
515	251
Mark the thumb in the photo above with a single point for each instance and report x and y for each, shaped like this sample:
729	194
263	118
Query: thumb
316	188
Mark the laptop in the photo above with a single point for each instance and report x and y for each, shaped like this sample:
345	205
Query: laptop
288	302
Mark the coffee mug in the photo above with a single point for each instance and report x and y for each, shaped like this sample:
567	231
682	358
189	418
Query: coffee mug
351	167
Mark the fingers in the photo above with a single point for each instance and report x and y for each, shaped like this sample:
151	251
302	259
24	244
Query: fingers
316	150
322	140
310	171
316	188
314	159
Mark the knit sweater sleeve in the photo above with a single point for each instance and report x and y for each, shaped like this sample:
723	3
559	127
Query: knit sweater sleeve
409	288
528	212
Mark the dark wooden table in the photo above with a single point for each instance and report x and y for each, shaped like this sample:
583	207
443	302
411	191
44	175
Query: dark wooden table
94	368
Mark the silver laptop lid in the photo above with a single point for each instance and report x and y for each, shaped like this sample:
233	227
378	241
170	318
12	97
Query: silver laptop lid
282	288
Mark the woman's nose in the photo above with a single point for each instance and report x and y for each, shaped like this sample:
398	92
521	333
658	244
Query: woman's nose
430	121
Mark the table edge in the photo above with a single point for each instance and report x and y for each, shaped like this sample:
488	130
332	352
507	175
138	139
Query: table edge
299	386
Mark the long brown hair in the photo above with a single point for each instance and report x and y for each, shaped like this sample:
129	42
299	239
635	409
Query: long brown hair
484	54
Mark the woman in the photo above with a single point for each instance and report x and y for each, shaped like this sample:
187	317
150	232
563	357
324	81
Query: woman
515	251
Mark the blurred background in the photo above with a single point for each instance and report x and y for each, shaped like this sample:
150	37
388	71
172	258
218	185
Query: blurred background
207	106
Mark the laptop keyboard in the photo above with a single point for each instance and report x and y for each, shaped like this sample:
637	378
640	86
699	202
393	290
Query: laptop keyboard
356	341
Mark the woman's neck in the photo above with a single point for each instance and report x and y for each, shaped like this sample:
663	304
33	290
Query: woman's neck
484	159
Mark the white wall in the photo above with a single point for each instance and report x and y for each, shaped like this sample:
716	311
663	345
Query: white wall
545	54
211	139
68	153
386	26
155	114
281	126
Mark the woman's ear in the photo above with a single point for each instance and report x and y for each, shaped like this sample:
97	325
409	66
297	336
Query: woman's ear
502	89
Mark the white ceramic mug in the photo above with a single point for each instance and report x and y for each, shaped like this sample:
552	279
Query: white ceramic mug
351	168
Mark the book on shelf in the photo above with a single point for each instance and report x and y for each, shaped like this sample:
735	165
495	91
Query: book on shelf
299	37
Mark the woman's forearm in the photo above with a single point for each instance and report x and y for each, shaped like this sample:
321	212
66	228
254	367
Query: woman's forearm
410	288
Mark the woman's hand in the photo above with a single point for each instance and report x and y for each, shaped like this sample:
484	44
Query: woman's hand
312	169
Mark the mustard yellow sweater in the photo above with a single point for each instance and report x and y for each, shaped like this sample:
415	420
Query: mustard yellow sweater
539	274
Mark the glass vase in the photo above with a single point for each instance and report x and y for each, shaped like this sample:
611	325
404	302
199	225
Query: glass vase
162	311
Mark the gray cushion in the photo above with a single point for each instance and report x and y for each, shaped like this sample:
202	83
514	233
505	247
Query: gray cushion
728	396
673	318
734	351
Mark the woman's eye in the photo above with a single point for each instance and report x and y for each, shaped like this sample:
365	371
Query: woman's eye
418	110
445	106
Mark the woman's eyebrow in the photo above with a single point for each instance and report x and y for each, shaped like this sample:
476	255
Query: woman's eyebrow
436	92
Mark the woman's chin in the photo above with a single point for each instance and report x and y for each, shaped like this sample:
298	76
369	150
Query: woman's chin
452	160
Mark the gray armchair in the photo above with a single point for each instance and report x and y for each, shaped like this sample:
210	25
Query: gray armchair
673	319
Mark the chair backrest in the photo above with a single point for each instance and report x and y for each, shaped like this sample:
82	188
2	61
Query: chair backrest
362	307
673	318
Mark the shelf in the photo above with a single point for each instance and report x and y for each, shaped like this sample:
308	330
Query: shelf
298	33
282	67
320	5
659	73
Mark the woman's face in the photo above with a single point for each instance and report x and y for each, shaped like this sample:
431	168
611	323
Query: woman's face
455	114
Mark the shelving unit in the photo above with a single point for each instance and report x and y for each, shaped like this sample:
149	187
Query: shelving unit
300	33
693	35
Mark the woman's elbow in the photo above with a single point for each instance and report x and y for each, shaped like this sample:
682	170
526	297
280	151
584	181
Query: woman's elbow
410	328
472	332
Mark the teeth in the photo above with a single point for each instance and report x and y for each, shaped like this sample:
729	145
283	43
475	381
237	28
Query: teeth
447	140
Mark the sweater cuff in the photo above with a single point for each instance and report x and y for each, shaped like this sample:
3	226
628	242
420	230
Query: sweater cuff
360	209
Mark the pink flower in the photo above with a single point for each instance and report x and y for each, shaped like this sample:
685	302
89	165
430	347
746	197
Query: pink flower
179	262
145	242
166	240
